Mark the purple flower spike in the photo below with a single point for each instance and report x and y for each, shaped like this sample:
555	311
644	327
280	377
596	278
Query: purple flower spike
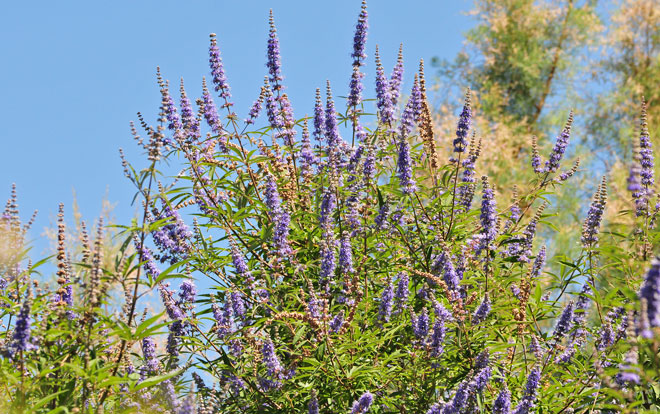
464	121
460	398
307	157
559	149
529	396
212	118
346	256
647	167
149	354
172	238
420	324
337	322
443	265
328	205
328	243
594	217
502	404
171	306
173	338
539	262
482	311
438	333
381	218
488	216
239	261
634	183
67	296
188	118
313	307
319	118
237	303
355	159
402	292
273	56
650	294
20	339
313	405
328	261
536	157
281	219
363	404
383	94
355	89
523	249
404	168
331	128
606	336
167	389
396	78
286	114
188	405
484	372
441	313
270	359
281	235
360	37
646	152
149	265
255	109
466	192
272	109
223	318
412	110
187	292
629	372
218	72
435	409
369	167
535	347
565	322
582	304
385	308
169	109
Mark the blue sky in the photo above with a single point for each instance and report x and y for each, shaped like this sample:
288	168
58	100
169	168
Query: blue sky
75	73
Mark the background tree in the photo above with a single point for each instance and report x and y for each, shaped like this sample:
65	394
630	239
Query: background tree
525	61
628	69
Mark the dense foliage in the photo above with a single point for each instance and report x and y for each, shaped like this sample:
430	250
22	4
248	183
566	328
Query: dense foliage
337	263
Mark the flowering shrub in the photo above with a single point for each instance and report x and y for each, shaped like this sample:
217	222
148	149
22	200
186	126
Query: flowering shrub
335	264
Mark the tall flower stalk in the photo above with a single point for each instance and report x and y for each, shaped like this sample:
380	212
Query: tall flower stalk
460	143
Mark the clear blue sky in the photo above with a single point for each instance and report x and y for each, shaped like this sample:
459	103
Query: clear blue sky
74	74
